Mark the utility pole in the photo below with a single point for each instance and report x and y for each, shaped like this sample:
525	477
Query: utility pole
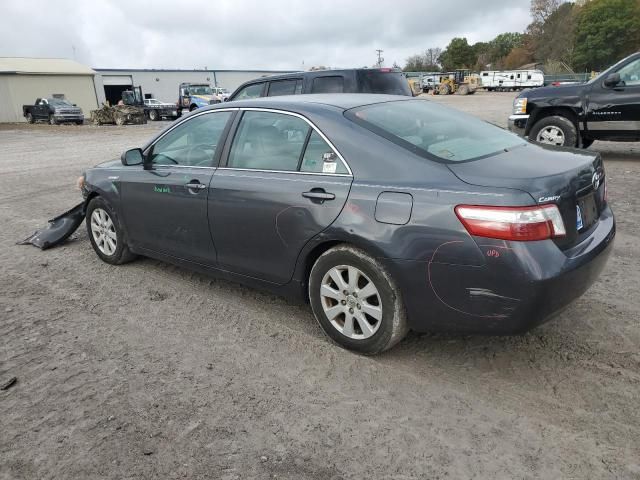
380	57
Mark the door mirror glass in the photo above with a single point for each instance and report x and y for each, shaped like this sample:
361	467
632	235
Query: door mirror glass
132	157
612	80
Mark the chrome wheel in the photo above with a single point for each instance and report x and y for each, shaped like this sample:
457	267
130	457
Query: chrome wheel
551	135
103	231
351	302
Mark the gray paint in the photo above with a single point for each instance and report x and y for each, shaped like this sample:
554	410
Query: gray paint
394	208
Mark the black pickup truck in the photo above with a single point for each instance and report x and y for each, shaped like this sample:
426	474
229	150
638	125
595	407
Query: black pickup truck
605	108
53	110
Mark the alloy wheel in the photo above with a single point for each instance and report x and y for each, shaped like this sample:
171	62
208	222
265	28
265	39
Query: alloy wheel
104	232
351	302
551	135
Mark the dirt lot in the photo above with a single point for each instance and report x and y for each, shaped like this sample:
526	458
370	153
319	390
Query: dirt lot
150	371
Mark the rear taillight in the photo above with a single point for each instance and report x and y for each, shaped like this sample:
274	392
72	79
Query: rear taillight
512	223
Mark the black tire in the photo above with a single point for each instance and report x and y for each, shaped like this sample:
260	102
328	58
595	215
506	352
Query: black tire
563	124
120	120
52	120
79	122
153	115
463	90
121	253
392	326
192	108
30	118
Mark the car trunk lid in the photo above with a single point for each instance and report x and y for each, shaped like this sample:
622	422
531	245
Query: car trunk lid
573	180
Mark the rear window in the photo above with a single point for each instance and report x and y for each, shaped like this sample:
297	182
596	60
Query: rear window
378	81
434	131
333	84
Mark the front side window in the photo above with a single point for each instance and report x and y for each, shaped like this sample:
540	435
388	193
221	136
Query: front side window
630	74
283	87
328	85
250	91
434	131
192	143
276	141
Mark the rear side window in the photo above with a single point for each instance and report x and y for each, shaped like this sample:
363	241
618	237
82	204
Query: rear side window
250	91
320	158
285	87
378	81
333	84
434	131
276	141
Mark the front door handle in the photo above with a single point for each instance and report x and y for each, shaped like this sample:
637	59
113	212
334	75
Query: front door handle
318	194
195	185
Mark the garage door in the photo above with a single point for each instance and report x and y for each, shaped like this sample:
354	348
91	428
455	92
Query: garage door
117	80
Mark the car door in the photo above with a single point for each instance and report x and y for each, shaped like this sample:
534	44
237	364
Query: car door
164	203
41	109
614	112
282	183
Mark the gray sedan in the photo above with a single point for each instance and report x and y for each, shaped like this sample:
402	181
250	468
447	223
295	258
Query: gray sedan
386	213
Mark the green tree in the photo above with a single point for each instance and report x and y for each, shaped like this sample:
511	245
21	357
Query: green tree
458	54
606	31
500	46
556	36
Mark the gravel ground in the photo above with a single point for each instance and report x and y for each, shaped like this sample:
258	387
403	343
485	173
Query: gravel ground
150	371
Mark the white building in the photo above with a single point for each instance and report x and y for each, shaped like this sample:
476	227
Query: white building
163	84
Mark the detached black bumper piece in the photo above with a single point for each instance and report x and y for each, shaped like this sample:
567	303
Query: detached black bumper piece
59	229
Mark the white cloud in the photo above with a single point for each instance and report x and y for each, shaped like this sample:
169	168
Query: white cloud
244	34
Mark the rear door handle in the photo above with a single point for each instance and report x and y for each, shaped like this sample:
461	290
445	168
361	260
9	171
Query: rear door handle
318	194
195	185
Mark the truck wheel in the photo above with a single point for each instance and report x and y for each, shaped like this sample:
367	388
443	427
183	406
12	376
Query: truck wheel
555	130
192	108
356	302
119	120
444	90
52	120
30	118
463	90
153	115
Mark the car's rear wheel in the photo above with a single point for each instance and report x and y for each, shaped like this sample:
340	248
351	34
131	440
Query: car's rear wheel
355	301
555	130
153	115
105	233
52	120
30	118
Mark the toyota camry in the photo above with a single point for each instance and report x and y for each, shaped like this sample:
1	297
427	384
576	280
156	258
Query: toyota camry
386	213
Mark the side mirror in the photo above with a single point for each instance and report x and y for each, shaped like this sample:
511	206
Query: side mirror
132	157
75	105
612	80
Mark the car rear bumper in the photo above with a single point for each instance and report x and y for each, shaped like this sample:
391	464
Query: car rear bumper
521	285
518	124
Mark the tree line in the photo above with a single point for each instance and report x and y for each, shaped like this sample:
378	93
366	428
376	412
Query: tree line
581	36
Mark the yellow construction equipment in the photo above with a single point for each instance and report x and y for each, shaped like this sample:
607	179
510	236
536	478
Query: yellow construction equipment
460	82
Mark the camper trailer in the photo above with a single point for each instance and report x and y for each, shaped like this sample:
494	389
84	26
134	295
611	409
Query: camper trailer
505	80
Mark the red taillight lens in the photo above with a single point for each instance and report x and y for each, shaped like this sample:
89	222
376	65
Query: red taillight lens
512	223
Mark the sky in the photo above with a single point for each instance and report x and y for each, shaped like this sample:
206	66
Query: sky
247	34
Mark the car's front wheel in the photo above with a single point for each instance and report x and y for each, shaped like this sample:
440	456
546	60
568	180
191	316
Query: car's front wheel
555	130
153	115
355	301
106	234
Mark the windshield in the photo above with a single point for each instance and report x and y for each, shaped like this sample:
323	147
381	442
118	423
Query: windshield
434	131
59	102
200	90
380	81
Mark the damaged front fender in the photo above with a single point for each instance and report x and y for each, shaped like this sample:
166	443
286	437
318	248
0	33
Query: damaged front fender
59	229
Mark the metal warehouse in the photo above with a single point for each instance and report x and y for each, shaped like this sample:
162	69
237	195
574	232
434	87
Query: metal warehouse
163	84
24	79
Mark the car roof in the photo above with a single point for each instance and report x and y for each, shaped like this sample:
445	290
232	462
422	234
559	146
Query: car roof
343	101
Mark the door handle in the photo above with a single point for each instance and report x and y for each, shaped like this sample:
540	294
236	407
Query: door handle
194	185
318	194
